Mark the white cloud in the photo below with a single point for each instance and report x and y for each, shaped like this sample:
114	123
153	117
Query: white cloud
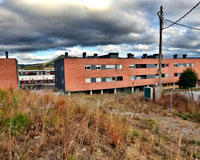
141	47
110	48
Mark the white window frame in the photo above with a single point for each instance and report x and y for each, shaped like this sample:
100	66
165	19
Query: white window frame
132	77
87	80
108	79
98	79
110	66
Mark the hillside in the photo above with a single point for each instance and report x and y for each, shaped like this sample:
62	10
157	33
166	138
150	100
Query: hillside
40	66
45	126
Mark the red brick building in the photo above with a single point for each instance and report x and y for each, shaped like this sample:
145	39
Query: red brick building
8	73
111	72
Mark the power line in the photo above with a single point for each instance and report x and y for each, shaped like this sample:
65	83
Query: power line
182	16
198	29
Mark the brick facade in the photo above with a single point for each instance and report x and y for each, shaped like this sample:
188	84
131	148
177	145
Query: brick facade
75	73
8	73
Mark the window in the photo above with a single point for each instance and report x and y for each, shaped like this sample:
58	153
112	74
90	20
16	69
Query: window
110	66
184	65
140	66
119	78
150	76
165	75
102	67
150	65
108	79
103	79
119	66
88	80
114	78
87	67
138	77
131	66
157	66
176	74
132	77
93	80
98	79
191	64
165	65
157	76
98	67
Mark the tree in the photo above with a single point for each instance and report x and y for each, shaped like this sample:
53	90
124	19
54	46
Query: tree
188	79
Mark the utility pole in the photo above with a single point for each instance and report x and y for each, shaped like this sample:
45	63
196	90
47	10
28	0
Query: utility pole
160	15
158	89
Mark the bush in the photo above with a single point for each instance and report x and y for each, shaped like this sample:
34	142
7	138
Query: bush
188	79
17	124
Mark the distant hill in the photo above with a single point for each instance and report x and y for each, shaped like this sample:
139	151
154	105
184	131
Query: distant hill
40	66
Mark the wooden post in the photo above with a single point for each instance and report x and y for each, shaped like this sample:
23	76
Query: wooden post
160	46
171	101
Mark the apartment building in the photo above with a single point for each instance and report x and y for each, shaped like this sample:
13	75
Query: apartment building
37	79
110	72
8	73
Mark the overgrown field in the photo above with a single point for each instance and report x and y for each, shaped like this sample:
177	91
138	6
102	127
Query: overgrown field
98	127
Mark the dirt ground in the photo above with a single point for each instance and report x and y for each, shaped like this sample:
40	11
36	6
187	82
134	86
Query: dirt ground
170	125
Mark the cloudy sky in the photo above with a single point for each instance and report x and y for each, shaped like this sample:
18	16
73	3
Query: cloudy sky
36	31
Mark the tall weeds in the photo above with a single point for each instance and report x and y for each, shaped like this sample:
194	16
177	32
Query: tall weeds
34	126
45	126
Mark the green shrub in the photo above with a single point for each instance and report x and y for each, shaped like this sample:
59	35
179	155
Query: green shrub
195	116
188	79
2	95
157	130
14	100
128	91
17	124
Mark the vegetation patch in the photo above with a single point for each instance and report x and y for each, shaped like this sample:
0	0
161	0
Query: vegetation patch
45	126
17	124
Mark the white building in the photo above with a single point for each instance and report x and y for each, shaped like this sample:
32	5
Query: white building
36	79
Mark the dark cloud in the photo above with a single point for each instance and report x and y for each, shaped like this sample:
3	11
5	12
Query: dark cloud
186	40
37	30
27	27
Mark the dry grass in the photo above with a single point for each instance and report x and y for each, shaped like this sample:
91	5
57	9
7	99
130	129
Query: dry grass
45	126
182	107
